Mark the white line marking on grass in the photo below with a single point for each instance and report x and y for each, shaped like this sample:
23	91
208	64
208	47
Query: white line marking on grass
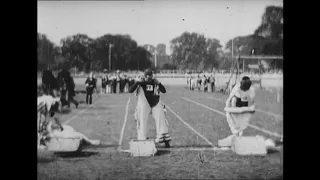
219	112
195	149
124	123
189	126
259	110
270	113
186	149
83	110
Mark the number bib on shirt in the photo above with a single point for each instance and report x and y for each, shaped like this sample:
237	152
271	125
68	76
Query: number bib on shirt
244	98
149	87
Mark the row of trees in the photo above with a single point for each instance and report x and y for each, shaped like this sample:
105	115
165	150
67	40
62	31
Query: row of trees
189	50
267	39
86	53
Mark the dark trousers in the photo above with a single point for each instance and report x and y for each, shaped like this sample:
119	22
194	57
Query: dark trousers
104	90
213	88
67	98
205	88
64	96
47	89
70	98
111	88
114	87
89	95
122	85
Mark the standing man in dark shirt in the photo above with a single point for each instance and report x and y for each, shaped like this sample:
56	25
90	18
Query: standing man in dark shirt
90	84
63	80
130	82
104	84
108	82
114	84
212	81
111	84
49	82
122	82
149	102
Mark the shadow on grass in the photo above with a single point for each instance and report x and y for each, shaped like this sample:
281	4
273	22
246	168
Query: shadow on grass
95	147
65	111
274	150
45	159
191	146
80	92
277	178
162	152
77	154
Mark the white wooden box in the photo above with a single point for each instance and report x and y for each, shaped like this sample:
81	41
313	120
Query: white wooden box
142	148
226	142
64	144
252	145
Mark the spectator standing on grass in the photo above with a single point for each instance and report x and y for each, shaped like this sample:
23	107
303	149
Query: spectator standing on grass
63	80
212	81
114	84
71	92
205	83
49	82
198	82
103	84
90	86
126	83
95	82
122	83
131	81
108	82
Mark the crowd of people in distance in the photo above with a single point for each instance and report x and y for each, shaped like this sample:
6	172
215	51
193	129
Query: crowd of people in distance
115	83
205	83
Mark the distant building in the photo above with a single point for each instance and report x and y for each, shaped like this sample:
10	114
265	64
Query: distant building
162	59
161	49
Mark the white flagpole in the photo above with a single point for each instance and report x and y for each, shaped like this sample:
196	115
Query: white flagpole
155	60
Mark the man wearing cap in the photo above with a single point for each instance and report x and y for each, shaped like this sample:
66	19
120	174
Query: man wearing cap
148	89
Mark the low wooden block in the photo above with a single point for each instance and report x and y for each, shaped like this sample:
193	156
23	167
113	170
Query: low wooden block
253	145
64	144
143	147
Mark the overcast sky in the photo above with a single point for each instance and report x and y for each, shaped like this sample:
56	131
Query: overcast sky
152	22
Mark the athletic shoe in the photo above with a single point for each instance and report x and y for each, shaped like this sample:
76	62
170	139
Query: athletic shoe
166	144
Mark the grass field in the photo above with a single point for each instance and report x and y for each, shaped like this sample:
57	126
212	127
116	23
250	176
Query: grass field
190	115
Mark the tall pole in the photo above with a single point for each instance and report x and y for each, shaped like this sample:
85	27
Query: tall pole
232	49
138	61
243	66
48	61
155	56
232	53
110	46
